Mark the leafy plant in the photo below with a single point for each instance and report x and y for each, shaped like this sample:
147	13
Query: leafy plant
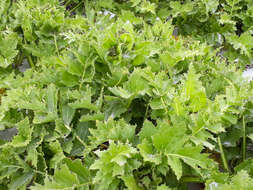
125	94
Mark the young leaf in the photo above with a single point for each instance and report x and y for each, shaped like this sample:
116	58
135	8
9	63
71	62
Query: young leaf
63	179
24	134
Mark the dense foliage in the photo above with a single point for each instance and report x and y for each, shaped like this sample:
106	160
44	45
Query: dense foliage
125	94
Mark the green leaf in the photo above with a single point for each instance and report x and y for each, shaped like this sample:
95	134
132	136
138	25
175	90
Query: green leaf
241	180
52	98
118	160
67	114
21	180
148	152
246	166
83	103
211	6
178	8
41	117
24	134
174	142
79	169
94	117
193	157
163	187
8	49
58	155
250	136
178	106
147	131
156	104
194	91
61	128
170	60
112	130
68	79
136	84
32	156
114	107
135	2
63	179
242	43
82	130
130	182
121	92
176	166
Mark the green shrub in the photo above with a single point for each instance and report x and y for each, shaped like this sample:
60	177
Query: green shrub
125	94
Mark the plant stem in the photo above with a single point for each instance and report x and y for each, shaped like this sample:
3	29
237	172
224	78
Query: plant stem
68	2
165	107
225	164
192	179
29	58
243	140
30	61
78	5
20	59
56	46
146	112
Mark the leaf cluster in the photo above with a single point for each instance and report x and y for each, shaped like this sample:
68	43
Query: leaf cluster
125	94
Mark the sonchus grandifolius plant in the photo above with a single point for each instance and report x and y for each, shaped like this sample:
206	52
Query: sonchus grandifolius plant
125	94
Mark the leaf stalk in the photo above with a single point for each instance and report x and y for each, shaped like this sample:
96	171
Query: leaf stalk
223	157
243	139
